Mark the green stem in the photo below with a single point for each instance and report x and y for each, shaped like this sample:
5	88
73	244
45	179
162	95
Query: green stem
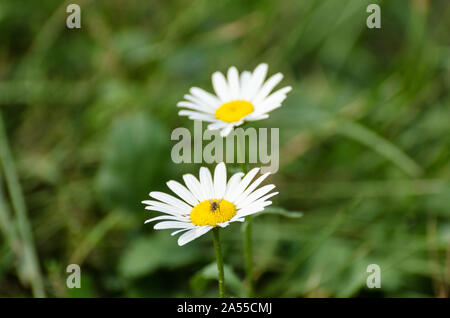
248	250
31	262
219	260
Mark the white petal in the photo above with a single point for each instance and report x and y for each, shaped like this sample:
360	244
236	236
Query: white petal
232	184
163	207
207	98
221	87
194	186
220	180
217	125
243	184
233	82
255	195
168	210
245	82
182	192
249	211
223	224
206	182
193	234
149	201
224	132
273	101
194	115
196	107
255	207
164	217
171	200
267	88
258	76
254	117
252	187
201	102
178	231
262	200
173	225
205	118
269	109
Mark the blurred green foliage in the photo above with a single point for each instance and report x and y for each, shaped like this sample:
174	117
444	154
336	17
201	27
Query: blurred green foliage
365	144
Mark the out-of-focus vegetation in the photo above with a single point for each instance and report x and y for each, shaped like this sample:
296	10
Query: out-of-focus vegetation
365	145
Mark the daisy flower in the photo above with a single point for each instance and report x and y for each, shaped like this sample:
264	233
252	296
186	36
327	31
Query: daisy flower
239	98
209	202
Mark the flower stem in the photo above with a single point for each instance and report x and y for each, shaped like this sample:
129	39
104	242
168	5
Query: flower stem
248	250
219	260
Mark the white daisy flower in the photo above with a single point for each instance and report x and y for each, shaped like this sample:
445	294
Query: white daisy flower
209	202
239	98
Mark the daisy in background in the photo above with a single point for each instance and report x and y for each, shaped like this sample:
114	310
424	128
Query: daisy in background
209	202
239	97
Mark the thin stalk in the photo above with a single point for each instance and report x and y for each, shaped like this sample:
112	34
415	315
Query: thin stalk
248	251
247	227
18	203
219	260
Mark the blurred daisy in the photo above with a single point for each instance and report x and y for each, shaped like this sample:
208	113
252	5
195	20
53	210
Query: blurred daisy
239	98
209	202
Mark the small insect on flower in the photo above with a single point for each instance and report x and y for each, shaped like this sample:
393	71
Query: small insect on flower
239	97
209	202
214	205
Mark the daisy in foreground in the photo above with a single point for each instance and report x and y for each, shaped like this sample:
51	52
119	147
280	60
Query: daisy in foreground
209	203
239	97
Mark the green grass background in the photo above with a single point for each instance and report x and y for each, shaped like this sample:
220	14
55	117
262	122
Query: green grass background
365	145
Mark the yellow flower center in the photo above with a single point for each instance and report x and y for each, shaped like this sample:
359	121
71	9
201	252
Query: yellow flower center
211	212
233	111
